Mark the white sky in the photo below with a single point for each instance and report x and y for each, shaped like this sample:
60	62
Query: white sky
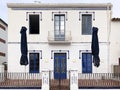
3	5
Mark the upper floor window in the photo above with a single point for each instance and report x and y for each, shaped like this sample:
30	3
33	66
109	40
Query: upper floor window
59	25
86	24
34	24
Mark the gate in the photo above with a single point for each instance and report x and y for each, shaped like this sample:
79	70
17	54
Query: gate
59	84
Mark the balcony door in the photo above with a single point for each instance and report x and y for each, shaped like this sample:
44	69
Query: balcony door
59	27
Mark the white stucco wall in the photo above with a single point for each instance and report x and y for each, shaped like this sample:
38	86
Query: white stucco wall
114	44
17	19
73	24
46	63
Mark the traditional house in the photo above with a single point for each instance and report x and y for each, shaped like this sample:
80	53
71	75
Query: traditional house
59	37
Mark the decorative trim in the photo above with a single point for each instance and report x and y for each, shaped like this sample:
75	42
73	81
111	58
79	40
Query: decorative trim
36	51
82	8
28	42
48	42
28	13
80	15
59	51
1	26
2	54
2	40
85	51
53	13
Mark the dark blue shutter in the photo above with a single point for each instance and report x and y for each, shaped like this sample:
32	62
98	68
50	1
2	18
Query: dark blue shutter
86	63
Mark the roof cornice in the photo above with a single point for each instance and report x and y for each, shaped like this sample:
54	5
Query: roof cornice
58	5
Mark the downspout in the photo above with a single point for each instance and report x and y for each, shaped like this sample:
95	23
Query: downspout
108	38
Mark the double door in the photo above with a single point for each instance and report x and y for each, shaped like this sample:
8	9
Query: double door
60	66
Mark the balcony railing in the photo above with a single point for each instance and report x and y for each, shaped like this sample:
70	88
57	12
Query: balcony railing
63	37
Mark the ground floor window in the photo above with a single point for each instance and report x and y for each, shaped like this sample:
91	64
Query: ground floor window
86	63
60	66
34	62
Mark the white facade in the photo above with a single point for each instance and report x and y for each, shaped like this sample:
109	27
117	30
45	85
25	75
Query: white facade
74	44
114	42
3	42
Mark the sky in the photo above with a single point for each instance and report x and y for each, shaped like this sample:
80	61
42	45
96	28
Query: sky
3	5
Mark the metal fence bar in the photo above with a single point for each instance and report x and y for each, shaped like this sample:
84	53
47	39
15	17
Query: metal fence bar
20	79
84	80
99	79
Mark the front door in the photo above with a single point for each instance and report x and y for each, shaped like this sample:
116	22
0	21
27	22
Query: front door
60	66
86	63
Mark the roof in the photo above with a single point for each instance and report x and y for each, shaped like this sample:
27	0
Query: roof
3	22
58	5
115	19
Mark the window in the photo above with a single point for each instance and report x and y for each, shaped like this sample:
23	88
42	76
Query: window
86	63
59	25
34	24
34	62
86	24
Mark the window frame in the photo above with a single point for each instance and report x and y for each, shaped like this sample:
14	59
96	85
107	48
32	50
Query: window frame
60	37
34	71
84	14
38	24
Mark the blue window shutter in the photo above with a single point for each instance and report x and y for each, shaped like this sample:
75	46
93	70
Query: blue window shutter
86	63
34	62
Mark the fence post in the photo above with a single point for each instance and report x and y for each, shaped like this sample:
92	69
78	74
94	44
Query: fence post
45	80
73	80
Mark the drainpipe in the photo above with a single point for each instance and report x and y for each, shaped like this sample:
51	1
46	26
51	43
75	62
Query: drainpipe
108	35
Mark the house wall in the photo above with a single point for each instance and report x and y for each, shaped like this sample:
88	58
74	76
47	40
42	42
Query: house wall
115	44
17	19
73	24
3	42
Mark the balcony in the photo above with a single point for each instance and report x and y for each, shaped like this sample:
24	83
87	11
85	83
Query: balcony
59	37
